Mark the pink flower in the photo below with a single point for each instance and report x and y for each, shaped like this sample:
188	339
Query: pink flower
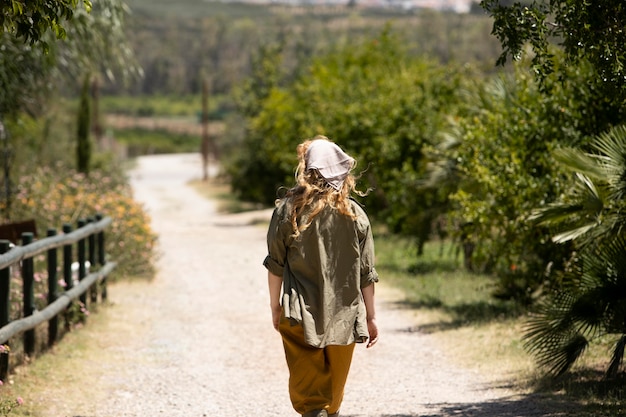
20	401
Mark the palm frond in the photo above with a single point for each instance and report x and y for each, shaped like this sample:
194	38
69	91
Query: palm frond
573	234
554	213
590	303
576	160
588	189
571	220
551	335
576	217
611	145
595	207
617	358
612	148
607	266
560	358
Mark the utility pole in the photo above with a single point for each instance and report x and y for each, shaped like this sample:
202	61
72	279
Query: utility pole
204	147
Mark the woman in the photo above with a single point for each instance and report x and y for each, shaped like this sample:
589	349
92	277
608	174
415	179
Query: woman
321	253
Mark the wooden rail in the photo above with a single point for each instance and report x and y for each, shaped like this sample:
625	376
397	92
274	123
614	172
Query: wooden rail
89	235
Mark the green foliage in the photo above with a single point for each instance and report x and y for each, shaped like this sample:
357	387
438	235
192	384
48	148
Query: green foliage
194	8
502	155
146	142
31	20
7	405
499	161
592	211
24	72
96	43
590	31
437	281
163	105
29	76
57	195
591	300
590	304
196	39
378	103
43	140
265	76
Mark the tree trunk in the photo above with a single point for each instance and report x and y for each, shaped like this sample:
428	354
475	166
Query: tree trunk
83	145
204	147
95	98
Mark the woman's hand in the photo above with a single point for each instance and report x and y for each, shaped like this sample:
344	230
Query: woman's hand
276	313
275	283
372	329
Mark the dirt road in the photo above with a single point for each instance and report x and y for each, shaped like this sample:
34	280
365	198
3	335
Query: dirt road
198	341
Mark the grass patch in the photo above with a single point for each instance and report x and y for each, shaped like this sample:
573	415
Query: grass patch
483	333
453	304
44	375
147	142
436	280
189	106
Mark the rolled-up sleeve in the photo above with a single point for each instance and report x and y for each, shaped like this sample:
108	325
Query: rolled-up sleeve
276	244
366	246
368	272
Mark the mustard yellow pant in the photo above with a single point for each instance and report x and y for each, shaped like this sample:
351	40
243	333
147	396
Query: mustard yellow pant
317	376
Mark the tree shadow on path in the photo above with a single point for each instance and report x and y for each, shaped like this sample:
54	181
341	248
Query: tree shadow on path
518	406
579	394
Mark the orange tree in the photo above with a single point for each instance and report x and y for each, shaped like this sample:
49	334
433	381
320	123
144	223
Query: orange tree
501	157
380	105
500	154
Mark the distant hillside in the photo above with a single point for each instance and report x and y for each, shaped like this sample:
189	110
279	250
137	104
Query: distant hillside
198	9
259	9
179	43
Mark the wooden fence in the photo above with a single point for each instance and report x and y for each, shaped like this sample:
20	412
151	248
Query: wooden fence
90	250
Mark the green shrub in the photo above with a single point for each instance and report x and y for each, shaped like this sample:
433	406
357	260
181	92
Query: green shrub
147	142
55	196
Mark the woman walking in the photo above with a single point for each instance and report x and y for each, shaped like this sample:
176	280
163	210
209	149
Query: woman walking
321	259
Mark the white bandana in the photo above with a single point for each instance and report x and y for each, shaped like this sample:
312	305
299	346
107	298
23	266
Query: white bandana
330	161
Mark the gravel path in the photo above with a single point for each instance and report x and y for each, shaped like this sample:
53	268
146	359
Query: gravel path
198	341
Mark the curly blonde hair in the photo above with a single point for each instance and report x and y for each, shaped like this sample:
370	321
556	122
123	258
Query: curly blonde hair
312	193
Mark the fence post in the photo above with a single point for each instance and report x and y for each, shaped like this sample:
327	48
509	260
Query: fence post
93	291
5	308
28	278
67	269
101	257
53	324
82	258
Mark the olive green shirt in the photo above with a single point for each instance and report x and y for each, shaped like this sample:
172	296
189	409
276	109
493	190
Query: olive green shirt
323	271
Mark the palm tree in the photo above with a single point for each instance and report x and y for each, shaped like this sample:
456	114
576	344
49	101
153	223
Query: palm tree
591	301
590	304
